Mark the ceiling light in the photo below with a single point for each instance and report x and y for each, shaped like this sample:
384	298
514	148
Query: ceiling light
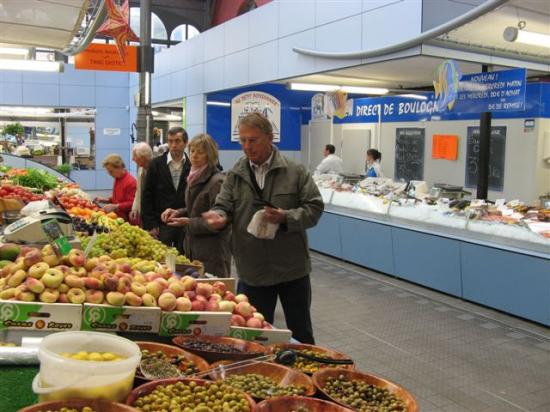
15	51
30	65
314	87
214	103
513	34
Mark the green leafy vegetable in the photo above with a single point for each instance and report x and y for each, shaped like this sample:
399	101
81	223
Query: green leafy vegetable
38	179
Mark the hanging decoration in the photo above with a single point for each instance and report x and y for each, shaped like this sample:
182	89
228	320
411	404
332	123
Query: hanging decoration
117	26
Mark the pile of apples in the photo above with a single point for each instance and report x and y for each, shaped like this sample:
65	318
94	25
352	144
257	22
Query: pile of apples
41	275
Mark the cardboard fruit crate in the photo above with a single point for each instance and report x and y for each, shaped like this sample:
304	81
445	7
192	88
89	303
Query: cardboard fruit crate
53	317
107	318
194	323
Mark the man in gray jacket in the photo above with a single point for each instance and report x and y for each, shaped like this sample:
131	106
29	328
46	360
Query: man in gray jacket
279	267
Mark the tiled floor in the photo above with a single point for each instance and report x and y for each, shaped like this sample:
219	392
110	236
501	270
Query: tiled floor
452	355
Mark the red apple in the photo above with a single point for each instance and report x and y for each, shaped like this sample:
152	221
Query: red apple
254	323
241	298
198	306
244	309
190	295
229	296
204	289
212	306
266	325
237	320
219	287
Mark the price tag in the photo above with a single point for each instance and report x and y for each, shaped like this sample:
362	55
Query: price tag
55	235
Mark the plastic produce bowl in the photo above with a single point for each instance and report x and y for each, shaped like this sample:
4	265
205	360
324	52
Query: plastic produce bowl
149	387
289	403
169	350
99	405
62	378
314	348
320	377
247	350
281	375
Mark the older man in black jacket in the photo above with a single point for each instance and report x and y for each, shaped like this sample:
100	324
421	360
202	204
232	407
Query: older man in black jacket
165	189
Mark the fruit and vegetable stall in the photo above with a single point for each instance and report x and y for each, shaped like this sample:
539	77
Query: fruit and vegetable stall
117	321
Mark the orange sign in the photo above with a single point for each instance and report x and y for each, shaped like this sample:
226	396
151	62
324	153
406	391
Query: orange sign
106	57
445	146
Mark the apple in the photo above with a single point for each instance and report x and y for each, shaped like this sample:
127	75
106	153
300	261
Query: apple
244	309
191	295
78	271
138	288
258	315
150	276
189	283
241	298
154	288
74	281
94	296
66	270
16	278
215	297
183	304
49	296
229	296
167	302
266	325
63	288
124	285
91	264
32	257
132	299
140	279
48	250
26	296
254	323
38	269
63	298
98	271
125	267
177	287
170	291
51	260
202	299
110	282
76	295
237	320
149	300
115	298
204	289
76	258
198	306
172	279
227	306
111	266
35	285
219	287
212	306
163	282
93	283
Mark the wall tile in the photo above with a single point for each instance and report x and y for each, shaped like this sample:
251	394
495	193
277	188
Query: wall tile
195	110
11	93
72	76
41	77
327	11
236	69
236	34
86	178
213	76
37	94
76	96
106	142
110	117
111	97
178	84
376	4
195	79
103	180
113	79
294	63
214	42
161	90
196	51
295	16
343	35
11	76
262	63
263	24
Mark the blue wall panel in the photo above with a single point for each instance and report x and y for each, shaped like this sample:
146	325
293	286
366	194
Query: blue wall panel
11	93
40	94
367	244
111	118
325	237
111	97
508	281
121	141
76	96
72	76
115	79
41	77
428	260
86	178
11	76
102	178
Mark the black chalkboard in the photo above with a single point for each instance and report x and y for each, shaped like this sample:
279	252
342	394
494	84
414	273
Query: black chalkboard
496	161
409	153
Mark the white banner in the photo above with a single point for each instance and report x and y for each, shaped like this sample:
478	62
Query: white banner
250	102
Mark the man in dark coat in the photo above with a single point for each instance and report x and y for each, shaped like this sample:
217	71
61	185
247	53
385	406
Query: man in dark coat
165	188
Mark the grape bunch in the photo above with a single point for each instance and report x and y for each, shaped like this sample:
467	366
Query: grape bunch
81	225
128	241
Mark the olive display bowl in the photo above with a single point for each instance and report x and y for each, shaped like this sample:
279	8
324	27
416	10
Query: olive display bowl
102	405
314	348
247	350
290	403
169	350
279	374
320	378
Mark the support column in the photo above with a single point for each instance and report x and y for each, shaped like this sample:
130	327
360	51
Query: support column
484	150
144	121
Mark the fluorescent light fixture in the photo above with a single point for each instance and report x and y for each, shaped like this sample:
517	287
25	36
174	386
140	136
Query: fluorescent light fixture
30	65
15	51
414	96
513	34
315	87
215	103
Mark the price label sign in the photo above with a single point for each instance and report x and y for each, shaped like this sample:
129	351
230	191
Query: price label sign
56	237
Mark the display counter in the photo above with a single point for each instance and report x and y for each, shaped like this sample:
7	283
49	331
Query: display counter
503	266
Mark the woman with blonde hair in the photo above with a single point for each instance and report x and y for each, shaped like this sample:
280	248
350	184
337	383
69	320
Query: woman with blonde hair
124	187
202	243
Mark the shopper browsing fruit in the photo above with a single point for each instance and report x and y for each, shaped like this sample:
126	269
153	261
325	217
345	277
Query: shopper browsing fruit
266	184
202	243
141	155
165	189
124	187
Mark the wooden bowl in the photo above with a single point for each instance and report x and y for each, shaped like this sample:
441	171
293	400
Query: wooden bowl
320	377
97	405
248	350
319	349
170	350
280	374
149	387
287	403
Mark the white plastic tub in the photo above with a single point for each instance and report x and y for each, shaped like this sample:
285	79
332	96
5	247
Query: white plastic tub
63	378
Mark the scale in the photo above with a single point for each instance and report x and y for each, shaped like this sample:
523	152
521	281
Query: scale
30	229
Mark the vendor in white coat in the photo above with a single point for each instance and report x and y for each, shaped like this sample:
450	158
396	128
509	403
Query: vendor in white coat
373	168
331	163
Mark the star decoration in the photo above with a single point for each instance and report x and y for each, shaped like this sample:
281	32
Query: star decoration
116	25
